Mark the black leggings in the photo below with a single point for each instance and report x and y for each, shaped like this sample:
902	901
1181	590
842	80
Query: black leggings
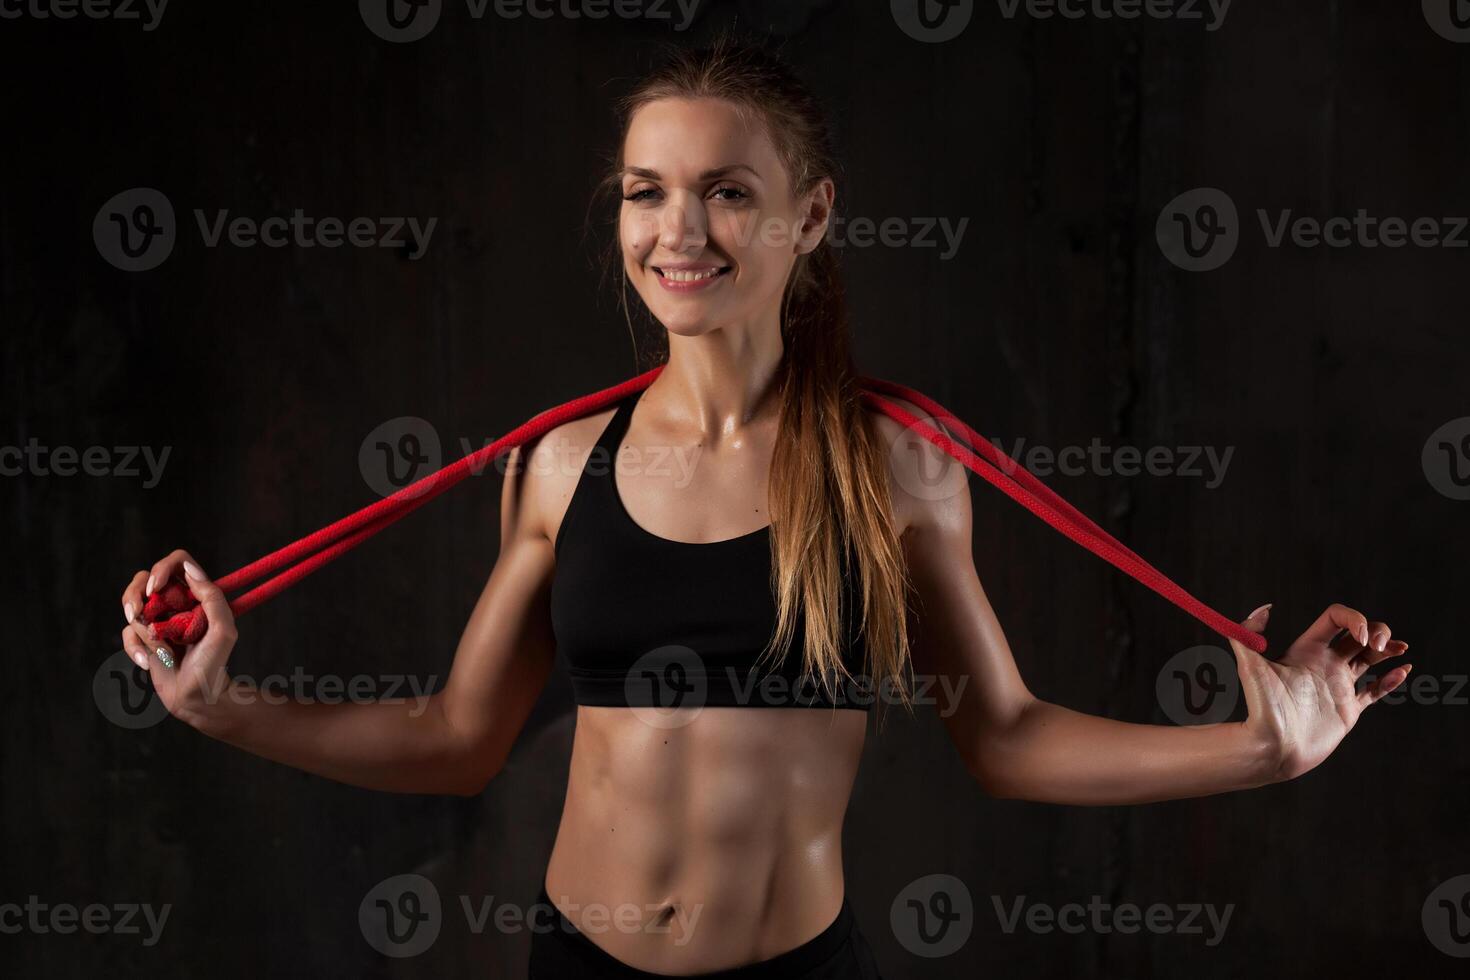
560	950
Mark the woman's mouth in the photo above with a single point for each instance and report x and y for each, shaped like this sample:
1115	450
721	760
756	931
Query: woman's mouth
689	280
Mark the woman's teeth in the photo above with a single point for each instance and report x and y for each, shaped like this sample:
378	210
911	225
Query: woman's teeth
676	275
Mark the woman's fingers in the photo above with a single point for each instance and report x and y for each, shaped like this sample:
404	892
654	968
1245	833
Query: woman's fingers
164	569
1370	657
1383	685
135	647
133	598
212	598
1337	617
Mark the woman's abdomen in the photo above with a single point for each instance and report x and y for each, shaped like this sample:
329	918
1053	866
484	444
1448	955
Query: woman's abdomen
699	842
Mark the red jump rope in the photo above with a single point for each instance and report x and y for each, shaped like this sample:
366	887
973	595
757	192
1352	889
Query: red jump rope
177	616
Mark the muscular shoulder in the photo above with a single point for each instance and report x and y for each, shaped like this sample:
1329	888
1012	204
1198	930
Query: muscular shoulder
929	487
541	476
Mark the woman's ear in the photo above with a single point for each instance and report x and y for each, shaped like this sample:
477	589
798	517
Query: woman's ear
816	215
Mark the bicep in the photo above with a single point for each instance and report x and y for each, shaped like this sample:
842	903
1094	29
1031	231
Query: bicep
507	650
957	642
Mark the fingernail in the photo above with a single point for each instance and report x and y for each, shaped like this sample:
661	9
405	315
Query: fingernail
148	589
1264	609
192	570
1363	634
1380	640
128	611
139	660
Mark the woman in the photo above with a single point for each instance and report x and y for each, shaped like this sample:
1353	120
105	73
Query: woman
757	509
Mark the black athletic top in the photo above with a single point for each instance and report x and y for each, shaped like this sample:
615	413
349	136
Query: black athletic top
643	621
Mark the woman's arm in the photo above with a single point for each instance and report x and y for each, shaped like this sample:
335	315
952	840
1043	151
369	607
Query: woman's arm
1018	746
454	743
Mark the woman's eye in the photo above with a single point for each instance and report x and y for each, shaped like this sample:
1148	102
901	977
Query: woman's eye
736	194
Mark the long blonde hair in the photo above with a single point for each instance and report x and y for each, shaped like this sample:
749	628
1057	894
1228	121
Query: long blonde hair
829	491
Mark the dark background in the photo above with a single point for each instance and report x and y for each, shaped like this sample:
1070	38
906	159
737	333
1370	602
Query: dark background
1060	319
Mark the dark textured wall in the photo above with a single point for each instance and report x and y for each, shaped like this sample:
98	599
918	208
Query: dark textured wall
1325	370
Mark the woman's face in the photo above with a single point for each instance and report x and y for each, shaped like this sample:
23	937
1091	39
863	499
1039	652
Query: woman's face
704	194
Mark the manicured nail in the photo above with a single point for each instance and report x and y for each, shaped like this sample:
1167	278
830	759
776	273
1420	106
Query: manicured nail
1264	609
192	570
1380	640
148	589
140	660
128	611
1363	634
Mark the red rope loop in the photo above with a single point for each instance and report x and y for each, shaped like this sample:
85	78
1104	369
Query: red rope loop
178	618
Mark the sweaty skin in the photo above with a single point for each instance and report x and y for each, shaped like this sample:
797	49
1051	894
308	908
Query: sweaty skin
719	835
724	834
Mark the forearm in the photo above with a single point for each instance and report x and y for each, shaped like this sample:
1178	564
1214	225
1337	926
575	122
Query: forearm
1052	754
398	746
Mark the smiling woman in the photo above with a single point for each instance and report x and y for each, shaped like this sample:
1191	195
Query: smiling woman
713	617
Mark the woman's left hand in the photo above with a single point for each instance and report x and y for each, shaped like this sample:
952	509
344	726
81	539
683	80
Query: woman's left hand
1303	704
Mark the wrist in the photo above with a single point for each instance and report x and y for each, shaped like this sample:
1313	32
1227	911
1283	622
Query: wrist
1263	756
214	714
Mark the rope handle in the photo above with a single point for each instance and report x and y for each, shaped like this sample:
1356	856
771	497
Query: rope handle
178	617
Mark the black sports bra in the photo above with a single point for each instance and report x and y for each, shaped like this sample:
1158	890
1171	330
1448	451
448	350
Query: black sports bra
643	621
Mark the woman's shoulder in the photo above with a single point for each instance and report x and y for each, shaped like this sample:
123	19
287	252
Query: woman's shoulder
929	487
543	472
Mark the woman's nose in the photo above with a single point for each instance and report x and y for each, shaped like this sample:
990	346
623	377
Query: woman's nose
681	227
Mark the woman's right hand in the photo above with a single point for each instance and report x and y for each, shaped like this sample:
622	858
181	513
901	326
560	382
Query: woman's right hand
198	680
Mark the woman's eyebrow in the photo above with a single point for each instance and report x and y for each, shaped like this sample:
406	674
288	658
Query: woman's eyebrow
715	174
